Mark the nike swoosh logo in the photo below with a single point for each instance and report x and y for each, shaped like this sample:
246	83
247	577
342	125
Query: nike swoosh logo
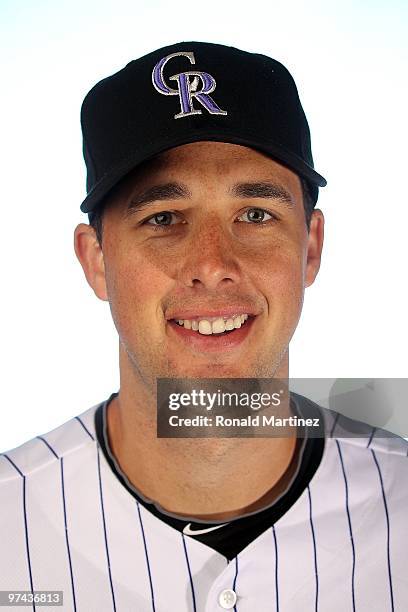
188	531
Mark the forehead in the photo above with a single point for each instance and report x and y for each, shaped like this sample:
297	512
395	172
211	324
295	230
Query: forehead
201	163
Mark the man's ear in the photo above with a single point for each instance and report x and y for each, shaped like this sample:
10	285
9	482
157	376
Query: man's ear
314	247
90	256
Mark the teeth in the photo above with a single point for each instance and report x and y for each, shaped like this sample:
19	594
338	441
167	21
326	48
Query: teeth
215	326
204	327
218	326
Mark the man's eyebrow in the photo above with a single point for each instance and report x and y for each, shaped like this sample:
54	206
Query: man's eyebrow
167	191
171	191
263	189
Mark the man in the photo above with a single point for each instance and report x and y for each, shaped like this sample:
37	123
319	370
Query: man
203	237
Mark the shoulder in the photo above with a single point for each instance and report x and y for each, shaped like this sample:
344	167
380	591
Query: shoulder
361	483
44	450
353	432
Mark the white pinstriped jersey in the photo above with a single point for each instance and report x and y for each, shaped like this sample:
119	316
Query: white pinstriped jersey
68	524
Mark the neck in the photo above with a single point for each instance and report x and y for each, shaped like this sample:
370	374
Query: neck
204	478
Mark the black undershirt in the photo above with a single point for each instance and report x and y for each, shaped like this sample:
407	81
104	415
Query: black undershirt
236	533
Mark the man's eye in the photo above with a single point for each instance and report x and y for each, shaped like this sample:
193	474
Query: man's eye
162	219
257	215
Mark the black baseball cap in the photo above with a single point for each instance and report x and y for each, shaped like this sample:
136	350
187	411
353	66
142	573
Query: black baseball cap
189	92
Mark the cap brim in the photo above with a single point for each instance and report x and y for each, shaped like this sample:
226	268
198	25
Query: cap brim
111	178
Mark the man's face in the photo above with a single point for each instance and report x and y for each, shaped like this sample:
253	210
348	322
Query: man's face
214	227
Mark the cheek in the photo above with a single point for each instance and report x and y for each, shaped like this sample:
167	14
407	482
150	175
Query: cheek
282	282
135	287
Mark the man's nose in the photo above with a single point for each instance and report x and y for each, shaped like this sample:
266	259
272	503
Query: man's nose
212	258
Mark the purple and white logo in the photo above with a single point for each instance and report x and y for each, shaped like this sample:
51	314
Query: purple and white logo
190	85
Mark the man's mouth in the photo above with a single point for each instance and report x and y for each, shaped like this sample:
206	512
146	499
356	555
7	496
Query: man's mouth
220	334
213	325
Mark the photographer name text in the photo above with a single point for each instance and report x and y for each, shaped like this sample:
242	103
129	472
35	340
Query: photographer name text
248	421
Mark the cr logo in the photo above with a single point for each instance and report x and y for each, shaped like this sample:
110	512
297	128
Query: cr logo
187	87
